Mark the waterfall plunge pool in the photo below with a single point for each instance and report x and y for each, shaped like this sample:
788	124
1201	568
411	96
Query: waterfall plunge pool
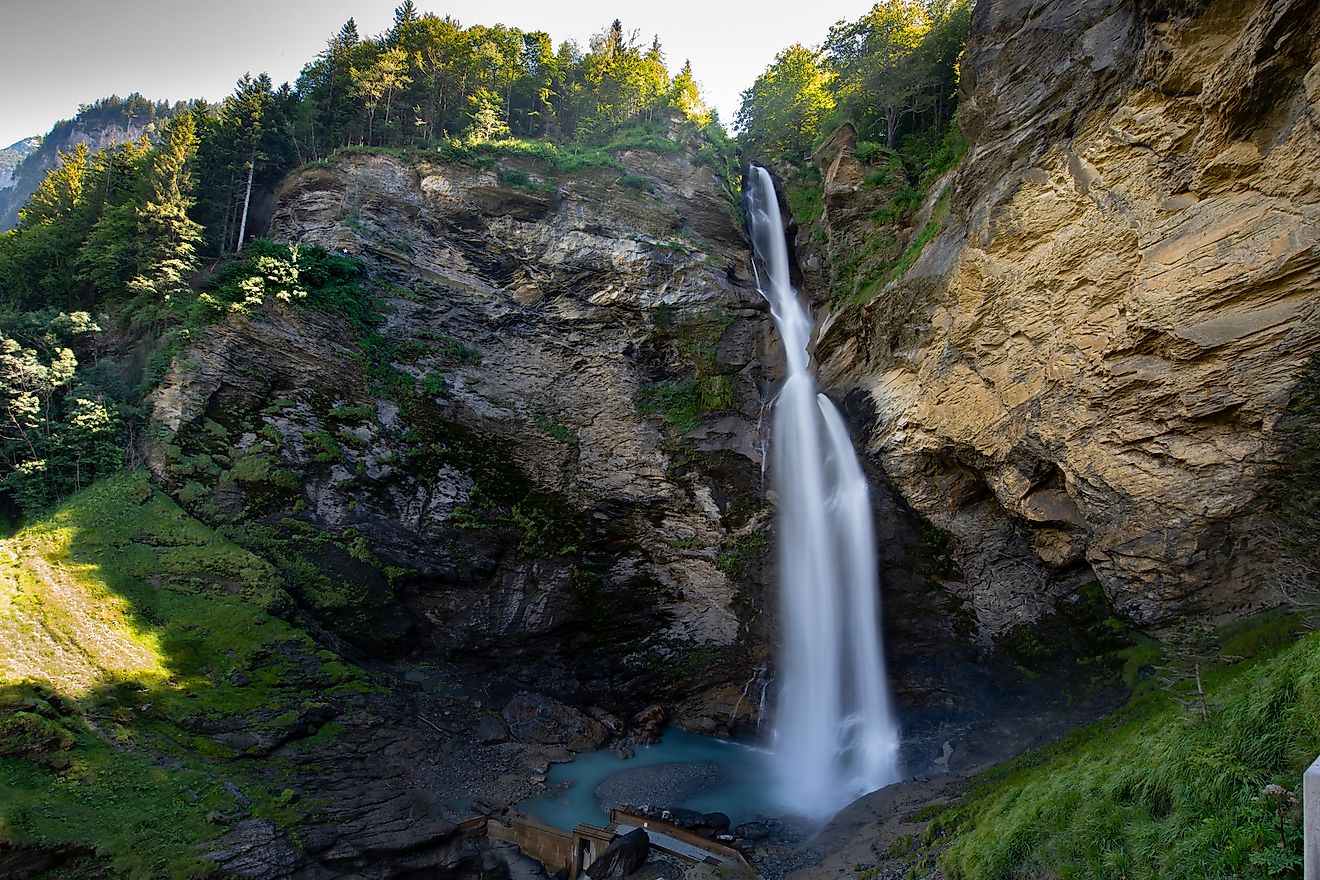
835	732
684	769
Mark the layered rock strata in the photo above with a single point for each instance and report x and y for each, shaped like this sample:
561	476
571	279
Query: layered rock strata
1079	377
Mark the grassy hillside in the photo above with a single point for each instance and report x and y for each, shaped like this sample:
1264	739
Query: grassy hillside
1156	791
141	656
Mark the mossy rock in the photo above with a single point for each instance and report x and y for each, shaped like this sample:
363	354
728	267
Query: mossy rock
29	735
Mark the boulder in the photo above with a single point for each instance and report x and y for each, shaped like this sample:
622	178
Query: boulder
623	856
537	719
708	824
716	823
753	831
649	724
491	729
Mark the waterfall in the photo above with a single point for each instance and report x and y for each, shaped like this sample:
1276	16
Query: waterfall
834	733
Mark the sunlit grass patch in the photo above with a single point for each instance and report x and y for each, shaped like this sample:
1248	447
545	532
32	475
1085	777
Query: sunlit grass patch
59	622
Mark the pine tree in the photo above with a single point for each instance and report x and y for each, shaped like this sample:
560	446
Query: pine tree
250	143
685	96
170	237
39	261
615	45
405	14
112	251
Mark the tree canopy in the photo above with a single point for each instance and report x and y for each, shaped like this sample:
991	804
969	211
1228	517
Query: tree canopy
120	233
893	72
428	76
781	113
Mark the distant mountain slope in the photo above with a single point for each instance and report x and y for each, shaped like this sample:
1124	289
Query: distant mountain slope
13	155
108	121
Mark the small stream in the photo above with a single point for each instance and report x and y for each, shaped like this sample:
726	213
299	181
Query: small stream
683	770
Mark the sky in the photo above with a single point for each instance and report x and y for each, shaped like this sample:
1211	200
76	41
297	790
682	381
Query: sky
57	54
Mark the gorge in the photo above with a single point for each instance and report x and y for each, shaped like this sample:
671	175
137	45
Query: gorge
480	469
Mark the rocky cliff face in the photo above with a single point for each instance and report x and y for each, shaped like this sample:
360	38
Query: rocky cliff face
12	156
25	163
561	479
1079	376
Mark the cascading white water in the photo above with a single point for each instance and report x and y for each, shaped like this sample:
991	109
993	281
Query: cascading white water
834	737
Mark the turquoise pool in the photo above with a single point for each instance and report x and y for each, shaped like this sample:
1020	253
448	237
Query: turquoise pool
684	769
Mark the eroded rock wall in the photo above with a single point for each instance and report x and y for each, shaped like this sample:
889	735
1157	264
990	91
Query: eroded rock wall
1079	376
563	488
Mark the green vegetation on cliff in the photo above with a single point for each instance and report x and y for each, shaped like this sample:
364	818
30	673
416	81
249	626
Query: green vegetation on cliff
143	655
892	75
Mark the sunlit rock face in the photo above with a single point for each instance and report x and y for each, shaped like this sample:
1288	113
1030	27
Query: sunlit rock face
549	308
1079	377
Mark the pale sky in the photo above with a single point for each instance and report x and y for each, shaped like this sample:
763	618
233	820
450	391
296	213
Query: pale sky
57	54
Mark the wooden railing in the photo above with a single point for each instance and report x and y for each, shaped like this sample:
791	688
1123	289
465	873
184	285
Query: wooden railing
723	852
558	849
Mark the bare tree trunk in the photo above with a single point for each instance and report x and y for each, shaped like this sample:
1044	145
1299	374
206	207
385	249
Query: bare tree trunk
247	199
224	233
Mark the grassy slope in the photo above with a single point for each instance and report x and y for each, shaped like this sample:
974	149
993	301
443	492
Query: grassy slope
1155	792
128	628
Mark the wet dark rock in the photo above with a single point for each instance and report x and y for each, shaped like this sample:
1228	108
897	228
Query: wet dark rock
488	808
257	848
752	831
649	724
613	723
537	719
708	824
623	856
491	729
717	822
683	818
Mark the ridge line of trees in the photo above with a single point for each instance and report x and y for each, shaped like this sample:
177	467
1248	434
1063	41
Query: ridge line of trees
893	73
119	234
